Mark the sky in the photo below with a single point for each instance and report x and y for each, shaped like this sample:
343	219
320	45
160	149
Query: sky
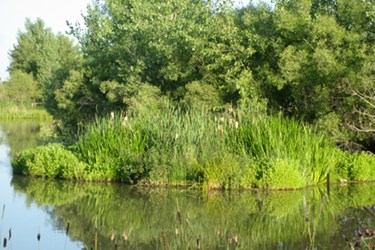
54	13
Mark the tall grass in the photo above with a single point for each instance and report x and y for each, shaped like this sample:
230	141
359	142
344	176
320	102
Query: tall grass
189	146
224	150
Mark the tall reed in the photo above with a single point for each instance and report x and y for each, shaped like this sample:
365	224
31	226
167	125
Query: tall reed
191	146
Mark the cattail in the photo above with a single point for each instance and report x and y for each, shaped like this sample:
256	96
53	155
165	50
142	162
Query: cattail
38	235
112	235
179	216
307	218
198	244
2	214
125	121
5	242
164	239
124	235
10	233
67	229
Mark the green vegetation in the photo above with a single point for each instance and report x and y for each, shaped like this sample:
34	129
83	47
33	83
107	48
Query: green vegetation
309	61
189	147
60	163
19	98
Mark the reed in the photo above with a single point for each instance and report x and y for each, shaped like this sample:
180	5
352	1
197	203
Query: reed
196	147
2	220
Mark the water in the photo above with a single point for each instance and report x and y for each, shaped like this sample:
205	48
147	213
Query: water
102	216
25	217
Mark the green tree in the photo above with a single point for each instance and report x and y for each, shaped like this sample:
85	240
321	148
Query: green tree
49	58
323	56
21	89
167	44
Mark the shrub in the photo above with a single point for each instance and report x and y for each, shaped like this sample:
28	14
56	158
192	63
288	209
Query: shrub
281	174
51	161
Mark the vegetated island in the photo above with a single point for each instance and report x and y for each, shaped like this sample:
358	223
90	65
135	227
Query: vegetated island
202	93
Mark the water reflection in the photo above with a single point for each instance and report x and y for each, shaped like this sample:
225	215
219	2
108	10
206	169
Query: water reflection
134	218
23	216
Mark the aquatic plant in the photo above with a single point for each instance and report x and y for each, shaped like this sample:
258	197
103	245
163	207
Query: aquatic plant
239	148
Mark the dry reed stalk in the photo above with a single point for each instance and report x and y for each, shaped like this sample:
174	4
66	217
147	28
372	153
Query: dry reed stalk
2	213
179	215
164	240
66	234
198	244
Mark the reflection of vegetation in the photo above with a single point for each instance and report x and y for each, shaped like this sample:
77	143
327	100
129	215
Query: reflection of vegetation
21	134
148	219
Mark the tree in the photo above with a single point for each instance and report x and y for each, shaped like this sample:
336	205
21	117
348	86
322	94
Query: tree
324	52
21	89
49	58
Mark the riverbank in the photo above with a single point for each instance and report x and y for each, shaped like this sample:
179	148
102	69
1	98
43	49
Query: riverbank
197	148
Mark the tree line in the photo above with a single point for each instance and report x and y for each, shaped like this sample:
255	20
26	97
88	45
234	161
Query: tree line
309	59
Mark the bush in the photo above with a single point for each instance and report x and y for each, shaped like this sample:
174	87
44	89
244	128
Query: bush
282	174
51	161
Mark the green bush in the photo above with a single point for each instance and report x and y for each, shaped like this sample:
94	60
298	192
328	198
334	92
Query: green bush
51	161
282	174
358	166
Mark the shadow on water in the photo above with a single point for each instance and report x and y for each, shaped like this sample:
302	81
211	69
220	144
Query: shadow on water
109	216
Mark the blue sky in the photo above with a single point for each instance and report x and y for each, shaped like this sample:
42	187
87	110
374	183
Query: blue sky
55	13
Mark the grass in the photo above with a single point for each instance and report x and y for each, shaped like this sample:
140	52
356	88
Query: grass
30	113
196	147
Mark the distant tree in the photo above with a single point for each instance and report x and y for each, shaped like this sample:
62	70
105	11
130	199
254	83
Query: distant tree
21	89
49	58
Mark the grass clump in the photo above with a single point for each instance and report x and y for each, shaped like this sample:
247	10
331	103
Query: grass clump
112	151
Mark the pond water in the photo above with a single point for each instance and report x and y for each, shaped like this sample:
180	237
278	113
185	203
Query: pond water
99	216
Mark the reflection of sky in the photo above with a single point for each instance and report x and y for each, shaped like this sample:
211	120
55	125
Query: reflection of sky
24	218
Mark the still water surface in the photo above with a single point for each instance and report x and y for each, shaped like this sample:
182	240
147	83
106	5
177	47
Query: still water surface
108	216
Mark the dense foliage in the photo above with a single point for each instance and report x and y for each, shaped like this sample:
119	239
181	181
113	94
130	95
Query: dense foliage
311	60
